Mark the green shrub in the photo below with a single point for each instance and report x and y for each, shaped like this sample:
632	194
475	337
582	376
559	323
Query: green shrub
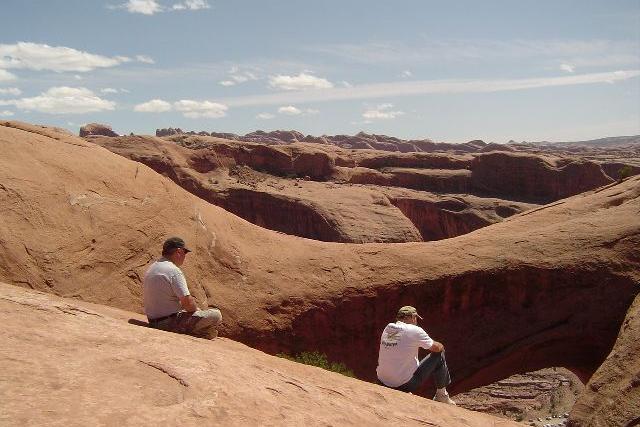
625	172
320	360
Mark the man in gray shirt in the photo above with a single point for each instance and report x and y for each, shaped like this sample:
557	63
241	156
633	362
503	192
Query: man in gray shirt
168	303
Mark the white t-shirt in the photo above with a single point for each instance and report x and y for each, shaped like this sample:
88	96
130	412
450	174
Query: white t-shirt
164	285
398	357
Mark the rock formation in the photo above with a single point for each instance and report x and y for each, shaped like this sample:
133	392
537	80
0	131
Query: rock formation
361	140
71	363
168	132
549	392
535	177
251	181
516	296
612	395
95	129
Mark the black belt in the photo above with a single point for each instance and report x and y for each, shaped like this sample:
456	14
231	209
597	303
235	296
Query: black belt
160	319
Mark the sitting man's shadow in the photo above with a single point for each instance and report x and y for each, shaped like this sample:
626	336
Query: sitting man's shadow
138	323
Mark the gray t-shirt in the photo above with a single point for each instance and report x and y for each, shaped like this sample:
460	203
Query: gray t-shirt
164	285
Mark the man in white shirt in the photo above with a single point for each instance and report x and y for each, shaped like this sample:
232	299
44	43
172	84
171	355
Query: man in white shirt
398	365
168	303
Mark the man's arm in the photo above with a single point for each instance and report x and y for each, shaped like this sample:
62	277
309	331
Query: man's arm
436	347
188	303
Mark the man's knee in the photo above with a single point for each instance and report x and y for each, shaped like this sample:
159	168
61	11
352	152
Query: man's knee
210	317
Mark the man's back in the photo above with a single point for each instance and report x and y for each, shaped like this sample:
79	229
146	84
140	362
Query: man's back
398	356
164	285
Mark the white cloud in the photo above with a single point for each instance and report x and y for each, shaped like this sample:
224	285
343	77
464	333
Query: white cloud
289	110
145	59
6	76
151	7
192	5
198	109
583	53
145	7
63	100
38	57
567	67
113	90
302	81
153	106
406	74
237	76
265	116
346	84
6	113
14	91
382	111
77	77
421	87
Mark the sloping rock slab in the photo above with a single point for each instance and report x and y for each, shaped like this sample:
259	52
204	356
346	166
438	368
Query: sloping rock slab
75	364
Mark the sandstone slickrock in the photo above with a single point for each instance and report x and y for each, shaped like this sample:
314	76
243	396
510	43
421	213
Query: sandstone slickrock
611	154
529	396
95	129
251	181
535	177
612	396
513	297
521	176
75	364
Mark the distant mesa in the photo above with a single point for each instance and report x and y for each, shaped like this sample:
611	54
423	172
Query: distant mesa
97	129
608	142
359	141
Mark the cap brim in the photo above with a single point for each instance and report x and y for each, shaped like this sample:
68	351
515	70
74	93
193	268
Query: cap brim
187	250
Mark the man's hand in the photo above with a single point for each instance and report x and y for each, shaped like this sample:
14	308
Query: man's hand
436	347
188	303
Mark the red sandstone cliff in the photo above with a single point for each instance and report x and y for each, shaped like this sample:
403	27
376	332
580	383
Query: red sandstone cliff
535	177
612	396
256	183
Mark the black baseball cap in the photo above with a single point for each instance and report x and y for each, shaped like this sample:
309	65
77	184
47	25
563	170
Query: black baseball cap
174	243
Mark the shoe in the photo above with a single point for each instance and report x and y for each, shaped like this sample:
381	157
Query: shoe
210	334
213	334
443	398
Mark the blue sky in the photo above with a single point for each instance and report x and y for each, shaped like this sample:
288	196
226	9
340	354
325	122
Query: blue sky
449	71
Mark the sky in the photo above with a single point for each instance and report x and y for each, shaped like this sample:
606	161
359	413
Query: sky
450	71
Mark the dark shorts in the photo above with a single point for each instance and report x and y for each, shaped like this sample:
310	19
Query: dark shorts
201	323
